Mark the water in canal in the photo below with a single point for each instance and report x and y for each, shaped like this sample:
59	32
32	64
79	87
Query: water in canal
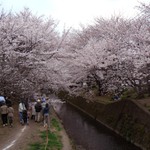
87	134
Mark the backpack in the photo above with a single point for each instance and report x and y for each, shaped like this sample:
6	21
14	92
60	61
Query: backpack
38	107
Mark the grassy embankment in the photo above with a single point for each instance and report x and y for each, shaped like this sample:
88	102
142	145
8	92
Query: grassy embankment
51	140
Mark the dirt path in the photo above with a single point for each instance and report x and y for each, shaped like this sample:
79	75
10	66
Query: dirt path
19	137
15	140
65	141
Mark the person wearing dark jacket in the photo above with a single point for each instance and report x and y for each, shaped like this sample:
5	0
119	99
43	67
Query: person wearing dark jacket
38	108
8	101
4	113
46	112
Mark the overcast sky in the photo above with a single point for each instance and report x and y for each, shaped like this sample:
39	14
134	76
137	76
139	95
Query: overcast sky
76	12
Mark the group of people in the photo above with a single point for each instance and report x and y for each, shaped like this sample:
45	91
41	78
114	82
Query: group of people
38	111
7	114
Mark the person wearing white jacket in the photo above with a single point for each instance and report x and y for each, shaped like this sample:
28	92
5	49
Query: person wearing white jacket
21	108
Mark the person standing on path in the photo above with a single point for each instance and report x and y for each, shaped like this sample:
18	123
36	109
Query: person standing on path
21	109
43	106
4	113
46	113
38	108
33	113
25	117
10	115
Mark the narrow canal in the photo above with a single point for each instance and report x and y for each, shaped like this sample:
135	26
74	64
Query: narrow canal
88	134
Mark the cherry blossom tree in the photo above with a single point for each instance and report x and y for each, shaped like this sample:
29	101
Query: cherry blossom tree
110	55
27	41
111	52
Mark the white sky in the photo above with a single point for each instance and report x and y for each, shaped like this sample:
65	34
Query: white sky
75	12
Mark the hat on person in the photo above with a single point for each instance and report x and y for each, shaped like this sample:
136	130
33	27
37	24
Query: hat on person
43	100
38	100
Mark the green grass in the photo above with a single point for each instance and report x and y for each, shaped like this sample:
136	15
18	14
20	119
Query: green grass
36	146
55	124
54	139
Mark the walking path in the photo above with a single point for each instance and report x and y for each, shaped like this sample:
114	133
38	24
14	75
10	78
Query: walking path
14	140
19	137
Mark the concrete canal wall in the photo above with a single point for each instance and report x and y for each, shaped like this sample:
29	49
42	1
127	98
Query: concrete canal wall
127	118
